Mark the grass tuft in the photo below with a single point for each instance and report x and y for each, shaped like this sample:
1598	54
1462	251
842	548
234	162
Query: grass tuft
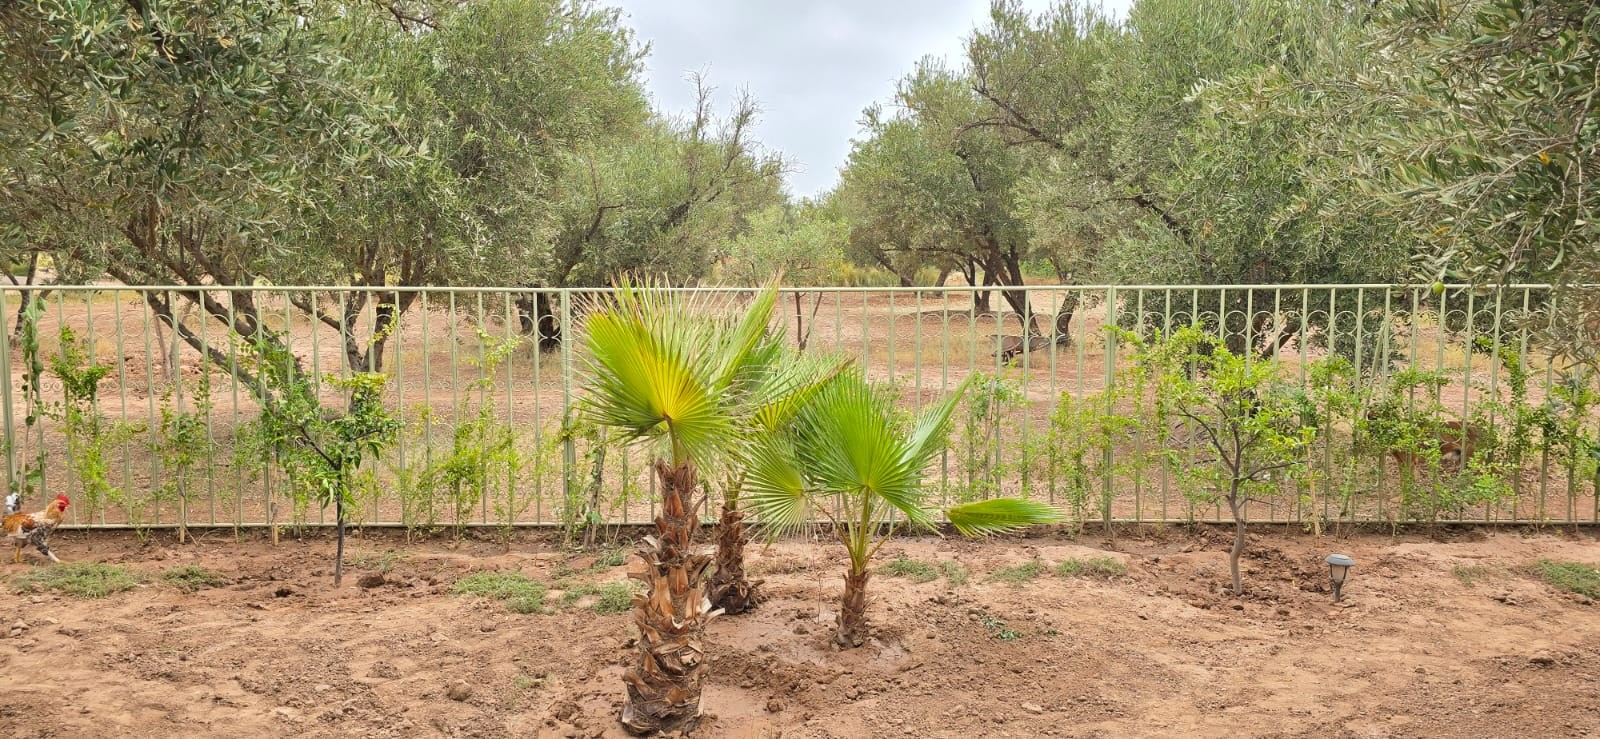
1469	575
616	597
910	569
520	594
79	579
190	578
1105	567
1571	576
383	563
1019	574
611	558
955	573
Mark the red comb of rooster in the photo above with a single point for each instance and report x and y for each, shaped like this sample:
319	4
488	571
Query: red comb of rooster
62	497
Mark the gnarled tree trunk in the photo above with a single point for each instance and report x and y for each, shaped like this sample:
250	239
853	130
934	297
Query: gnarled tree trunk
852	631
731	591
665	683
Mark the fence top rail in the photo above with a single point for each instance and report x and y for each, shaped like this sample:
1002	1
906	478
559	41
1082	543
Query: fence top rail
784	289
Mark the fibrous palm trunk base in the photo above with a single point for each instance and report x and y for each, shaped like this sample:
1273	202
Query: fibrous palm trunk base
664	685
852	630
731	591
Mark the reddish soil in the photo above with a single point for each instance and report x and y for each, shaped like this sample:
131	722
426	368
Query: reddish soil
277	651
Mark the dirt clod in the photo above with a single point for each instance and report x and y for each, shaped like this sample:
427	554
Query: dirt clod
458	691
371	580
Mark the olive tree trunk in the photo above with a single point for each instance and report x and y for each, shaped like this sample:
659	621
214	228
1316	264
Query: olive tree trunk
665	682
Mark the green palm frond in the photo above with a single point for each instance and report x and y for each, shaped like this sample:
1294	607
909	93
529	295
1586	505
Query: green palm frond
788	386
933	426
851	446
774	488
999	515
746	336
665	363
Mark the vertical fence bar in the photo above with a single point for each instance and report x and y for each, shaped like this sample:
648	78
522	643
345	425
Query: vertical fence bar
1470	332
9	424
1108	492
1166	476
1495	363
401	467
1138	439
538	412
944	389
569	451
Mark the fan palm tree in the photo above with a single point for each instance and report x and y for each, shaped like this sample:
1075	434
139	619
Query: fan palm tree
849	446
683	373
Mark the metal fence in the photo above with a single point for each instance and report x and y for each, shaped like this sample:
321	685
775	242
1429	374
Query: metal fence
162	426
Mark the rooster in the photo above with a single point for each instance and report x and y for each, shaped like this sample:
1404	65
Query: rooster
34	528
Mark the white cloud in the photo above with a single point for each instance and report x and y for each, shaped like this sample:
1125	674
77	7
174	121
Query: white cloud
813	65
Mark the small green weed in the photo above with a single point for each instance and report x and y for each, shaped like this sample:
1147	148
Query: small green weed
1469	575
616	597
1571	576
955	573
611	558
1019	574
383	563
524	681
911	569
521	595
1106	567
79	579
190	578
999	630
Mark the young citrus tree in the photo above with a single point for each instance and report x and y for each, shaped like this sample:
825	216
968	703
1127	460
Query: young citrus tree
850	447
319	448
1248	426
686	375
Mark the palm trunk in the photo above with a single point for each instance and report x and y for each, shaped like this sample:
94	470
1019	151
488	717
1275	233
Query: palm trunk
852	630
730	589
665	682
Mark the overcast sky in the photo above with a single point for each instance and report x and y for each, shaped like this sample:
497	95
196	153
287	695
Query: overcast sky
813	64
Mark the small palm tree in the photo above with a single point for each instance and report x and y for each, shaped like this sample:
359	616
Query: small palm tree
849	446
777	382
682	373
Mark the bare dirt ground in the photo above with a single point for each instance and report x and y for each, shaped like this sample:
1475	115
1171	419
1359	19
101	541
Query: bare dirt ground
1440	636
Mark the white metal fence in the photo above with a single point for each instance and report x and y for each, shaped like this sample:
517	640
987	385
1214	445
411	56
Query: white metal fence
164	428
